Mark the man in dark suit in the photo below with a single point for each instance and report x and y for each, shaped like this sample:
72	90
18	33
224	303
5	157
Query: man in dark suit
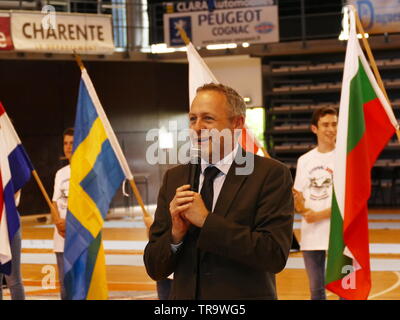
229	240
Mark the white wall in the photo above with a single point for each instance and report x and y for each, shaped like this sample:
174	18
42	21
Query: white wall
242	73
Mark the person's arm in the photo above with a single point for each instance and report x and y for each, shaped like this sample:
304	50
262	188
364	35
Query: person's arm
315	216
58	221
299	201
159	257
264	245
17	197
55	214
298	186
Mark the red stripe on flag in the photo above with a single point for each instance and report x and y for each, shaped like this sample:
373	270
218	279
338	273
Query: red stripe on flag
378	130
2	109
247	142
360	277
355	225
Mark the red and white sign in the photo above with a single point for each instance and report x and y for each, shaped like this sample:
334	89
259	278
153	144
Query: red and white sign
5	33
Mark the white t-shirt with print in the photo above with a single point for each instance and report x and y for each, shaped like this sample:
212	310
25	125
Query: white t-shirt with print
60	196
314	178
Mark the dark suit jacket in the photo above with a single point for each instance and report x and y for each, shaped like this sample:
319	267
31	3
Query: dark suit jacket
243	242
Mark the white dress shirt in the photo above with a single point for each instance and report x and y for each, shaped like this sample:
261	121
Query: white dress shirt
223	165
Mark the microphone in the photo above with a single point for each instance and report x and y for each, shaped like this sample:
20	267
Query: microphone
194	169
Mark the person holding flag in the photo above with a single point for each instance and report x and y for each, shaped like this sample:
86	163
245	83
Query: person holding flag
98	168
60	200
366	124
15	172
14	280
313	196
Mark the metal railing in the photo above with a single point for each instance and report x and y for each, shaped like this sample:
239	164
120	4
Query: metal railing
139	23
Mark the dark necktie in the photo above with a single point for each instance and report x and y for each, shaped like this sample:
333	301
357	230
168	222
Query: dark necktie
207	190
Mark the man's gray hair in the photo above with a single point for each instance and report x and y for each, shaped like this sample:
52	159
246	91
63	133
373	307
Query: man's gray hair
235	101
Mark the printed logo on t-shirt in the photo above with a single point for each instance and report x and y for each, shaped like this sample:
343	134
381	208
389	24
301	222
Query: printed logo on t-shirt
64	189
320	182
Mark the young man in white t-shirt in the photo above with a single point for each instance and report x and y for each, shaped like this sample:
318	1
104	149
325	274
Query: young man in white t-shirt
313	197
60	200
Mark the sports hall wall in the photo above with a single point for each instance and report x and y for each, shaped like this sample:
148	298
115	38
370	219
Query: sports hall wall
40	97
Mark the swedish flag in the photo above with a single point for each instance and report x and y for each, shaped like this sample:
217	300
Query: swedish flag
98	168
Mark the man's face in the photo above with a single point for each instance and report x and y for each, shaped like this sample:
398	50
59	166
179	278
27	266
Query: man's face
68	144
209	111
326	130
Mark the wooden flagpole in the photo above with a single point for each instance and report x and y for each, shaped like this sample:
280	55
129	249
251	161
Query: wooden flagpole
132	182
372	62
46	196
138	197
78	60
186	40
184	35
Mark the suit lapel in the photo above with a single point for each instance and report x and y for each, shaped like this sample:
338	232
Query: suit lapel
229	189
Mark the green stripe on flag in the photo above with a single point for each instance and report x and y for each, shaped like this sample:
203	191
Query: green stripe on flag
93	251
336	259
361	92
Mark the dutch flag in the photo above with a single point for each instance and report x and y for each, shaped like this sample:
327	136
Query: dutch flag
15	171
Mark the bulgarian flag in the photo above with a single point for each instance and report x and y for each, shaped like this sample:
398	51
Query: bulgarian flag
366	123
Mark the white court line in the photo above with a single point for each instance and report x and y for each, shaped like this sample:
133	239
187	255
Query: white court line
371	225
377	248
109	282
376	264
371	216
390	248
108	244
151	295
378	294
136	260
127	224
397	284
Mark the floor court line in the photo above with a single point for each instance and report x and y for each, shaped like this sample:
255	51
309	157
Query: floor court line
376	264
381	293
380	248
371	225
137	260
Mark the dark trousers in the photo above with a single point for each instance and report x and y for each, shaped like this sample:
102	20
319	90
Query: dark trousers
164	289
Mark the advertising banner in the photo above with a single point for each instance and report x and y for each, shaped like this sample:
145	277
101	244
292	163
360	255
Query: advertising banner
62	33
378	16
201	5
256	24
5	33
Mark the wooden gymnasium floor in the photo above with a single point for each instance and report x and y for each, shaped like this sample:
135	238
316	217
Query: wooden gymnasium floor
125	238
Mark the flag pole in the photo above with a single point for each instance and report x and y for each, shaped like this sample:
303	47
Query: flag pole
138	197
184	35
78	60
45	195
372	62
186	40
132	182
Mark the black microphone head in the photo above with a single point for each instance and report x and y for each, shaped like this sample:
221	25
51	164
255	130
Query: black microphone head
194	169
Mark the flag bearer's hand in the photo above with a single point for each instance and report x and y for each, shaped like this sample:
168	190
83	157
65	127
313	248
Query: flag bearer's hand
60	225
